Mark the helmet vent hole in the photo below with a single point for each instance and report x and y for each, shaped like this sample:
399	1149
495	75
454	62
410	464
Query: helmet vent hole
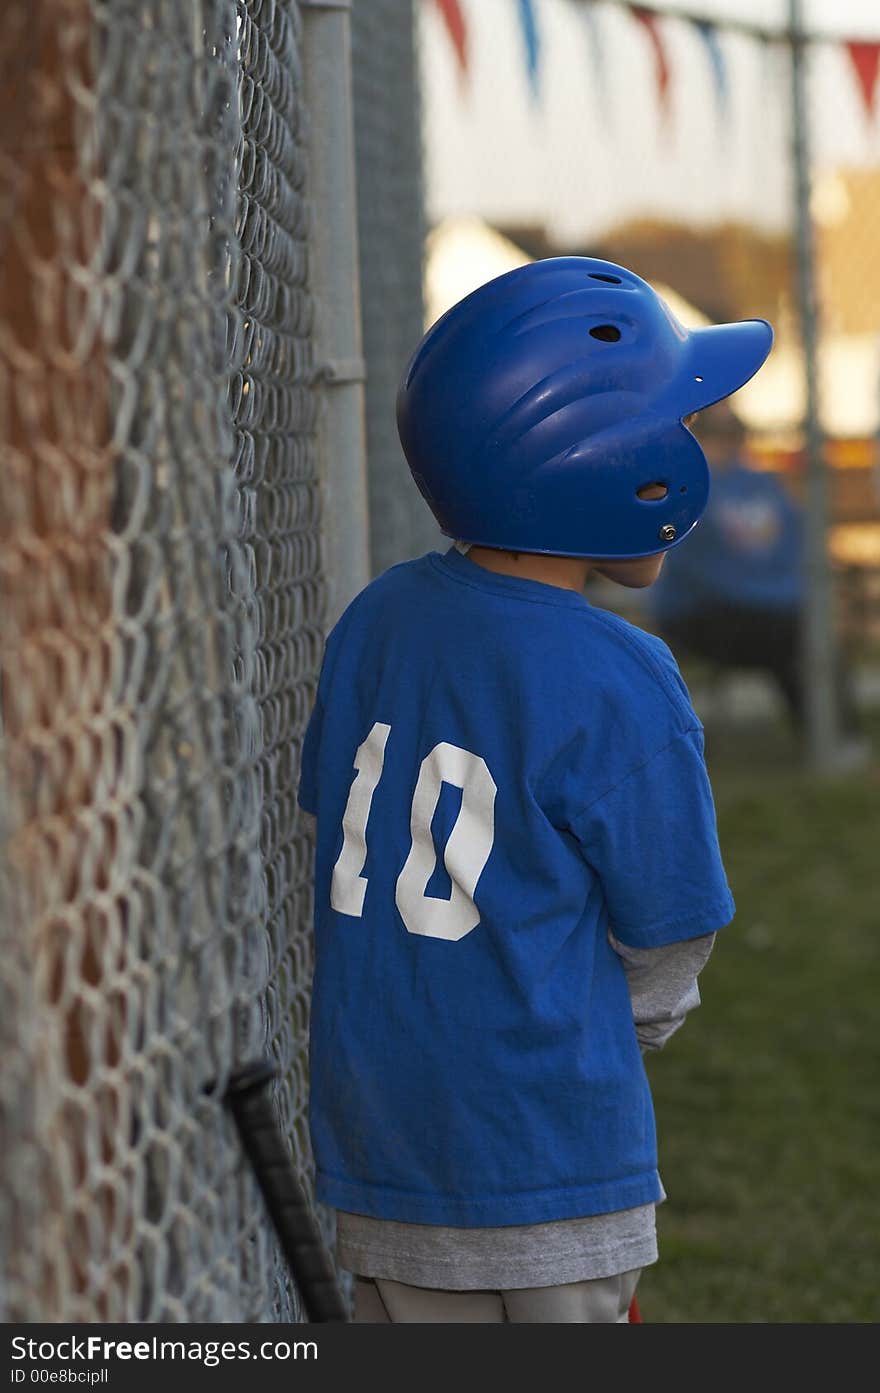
683	489
650	493
610	280
607	333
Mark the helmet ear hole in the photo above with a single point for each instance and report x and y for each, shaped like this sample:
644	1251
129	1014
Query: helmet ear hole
607	333
651	493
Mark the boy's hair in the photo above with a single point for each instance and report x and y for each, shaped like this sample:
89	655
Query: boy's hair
464	548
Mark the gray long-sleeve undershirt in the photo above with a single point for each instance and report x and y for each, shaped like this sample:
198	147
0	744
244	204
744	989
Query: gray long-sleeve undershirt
663	985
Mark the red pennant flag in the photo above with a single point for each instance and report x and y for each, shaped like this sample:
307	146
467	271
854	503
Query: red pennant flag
454	20
865	58
661	63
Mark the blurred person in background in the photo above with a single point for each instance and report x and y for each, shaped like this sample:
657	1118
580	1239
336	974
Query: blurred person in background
734	596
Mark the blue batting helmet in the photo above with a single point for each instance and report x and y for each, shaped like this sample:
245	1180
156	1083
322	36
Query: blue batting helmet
535	409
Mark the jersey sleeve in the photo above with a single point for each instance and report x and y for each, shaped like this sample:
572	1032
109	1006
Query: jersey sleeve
653	842
307	792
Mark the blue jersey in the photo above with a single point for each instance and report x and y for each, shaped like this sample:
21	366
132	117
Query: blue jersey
746	551
500	773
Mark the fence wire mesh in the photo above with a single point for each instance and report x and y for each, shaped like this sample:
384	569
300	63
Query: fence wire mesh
162	608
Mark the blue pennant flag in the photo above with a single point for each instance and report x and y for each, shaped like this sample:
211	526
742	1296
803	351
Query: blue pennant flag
532	41
709	34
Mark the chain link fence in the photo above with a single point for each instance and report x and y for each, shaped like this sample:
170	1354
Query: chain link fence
162	612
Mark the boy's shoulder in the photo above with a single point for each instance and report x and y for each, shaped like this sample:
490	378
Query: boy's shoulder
375	595
641	664
631	666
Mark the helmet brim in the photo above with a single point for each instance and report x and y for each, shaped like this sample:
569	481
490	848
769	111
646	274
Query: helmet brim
721	359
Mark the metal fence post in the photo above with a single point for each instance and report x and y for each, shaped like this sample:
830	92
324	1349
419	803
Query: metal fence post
391	233
336	288
818	643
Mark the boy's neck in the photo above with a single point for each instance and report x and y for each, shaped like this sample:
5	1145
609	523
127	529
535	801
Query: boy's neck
567	572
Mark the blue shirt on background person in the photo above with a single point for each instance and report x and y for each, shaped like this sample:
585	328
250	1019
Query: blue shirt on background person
745	553
735	595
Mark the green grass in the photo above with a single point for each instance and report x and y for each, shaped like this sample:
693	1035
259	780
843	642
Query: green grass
768	1100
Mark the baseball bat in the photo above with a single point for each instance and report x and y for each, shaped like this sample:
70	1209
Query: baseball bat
250	1102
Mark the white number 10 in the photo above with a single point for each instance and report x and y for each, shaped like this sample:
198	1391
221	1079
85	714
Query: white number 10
467	848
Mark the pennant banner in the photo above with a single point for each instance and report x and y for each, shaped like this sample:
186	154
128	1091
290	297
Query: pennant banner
648	19
532	42
454	21
709	34
865	58
864	55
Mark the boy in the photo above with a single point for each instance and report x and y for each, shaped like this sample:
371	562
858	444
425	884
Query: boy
520	884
